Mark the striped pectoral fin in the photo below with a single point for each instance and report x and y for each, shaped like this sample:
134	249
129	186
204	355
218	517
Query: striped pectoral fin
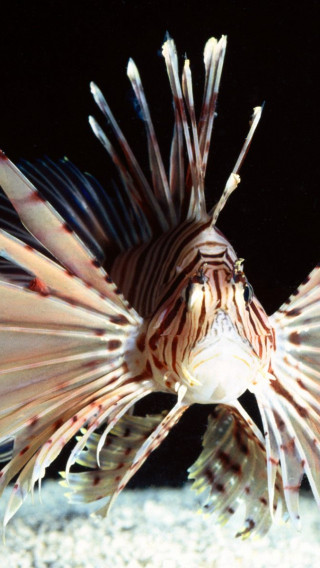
20	490
122	454
54	278
62	366
290	404
51	230
78	197
98	483
150	444
232	471
40	440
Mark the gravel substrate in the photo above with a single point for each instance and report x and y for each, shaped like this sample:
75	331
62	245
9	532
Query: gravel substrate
156	528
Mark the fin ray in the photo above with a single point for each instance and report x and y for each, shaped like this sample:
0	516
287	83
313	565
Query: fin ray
290	405
231	470
50	229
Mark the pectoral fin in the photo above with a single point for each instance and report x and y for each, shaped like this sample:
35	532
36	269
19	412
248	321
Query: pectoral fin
124	451
290	404
232	470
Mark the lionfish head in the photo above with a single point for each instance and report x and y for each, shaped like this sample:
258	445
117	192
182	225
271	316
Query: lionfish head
212	351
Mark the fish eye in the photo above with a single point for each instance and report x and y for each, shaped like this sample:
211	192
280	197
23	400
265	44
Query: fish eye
247	293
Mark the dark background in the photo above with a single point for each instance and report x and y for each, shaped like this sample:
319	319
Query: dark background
51	50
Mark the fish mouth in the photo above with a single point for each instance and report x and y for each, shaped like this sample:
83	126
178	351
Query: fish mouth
222	366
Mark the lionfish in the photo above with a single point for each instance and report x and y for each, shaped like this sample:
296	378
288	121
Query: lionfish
173	313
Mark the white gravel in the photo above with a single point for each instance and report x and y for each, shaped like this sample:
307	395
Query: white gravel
156	528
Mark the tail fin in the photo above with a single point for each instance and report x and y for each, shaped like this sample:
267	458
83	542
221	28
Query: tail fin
290	405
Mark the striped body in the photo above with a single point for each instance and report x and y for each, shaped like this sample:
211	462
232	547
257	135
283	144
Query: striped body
197	300
109	296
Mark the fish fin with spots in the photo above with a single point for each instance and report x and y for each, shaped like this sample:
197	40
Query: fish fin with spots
107	462
50	229
106	221
45	276
290	404
151	443
231	471
122	453
64	342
